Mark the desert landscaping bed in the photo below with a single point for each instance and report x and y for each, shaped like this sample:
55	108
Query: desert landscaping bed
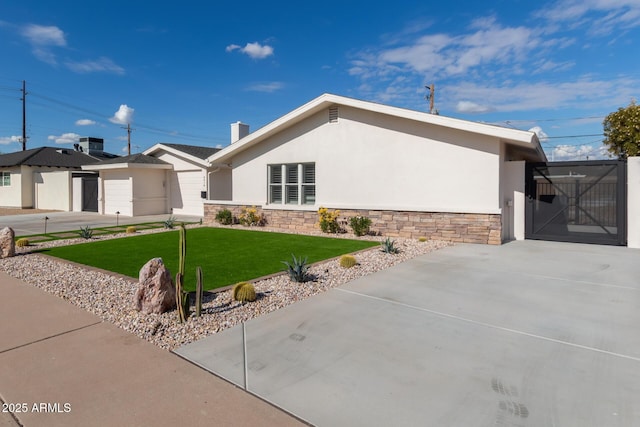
111	296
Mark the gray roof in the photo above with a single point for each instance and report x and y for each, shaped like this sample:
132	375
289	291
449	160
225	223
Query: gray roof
141	159
47	156
194	150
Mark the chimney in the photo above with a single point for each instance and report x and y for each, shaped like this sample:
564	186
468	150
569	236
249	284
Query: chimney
238	131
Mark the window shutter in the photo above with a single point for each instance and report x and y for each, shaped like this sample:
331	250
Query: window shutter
309	171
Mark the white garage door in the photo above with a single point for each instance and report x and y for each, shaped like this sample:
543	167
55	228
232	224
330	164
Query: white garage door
117	194
185	193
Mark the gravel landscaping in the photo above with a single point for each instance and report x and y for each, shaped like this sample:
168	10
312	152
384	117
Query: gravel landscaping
110	296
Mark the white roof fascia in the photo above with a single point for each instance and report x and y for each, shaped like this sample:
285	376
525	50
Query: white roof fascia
110	166
512	136
160	146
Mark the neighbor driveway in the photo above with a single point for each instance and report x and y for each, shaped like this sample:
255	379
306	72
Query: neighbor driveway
28	224
525	334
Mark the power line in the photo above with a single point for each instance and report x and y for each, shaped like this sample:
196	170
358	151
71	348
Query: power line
574	136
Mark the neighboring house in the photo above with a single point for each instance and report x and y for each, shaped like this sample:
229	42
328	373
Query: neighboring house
414	174
47	178
166	178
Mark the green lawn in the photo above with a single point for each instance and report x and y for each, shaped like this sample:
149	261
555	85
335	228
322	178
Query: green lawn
227	256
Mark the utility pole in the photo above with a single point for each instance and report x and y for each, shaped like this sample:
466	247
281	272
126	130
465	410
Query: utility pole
128	128
431	96
24	115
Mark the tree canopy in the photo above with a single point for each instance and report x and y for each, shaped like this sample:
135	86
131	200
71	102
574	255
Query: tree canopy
622	131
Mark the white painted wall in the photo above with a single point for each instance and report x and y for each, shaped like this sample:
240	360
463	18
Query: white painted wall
370	160
513	200
26	182
185	192
149	195
220	184
633	202
186	181
117	192
77	194
12	196
52	190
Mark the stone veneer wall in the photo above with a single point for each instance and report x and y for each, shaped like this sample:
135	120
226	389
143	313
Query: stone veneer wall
452	227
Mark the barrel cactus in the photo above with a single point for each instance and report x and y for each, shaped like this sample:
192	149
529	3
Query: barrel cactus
348	261
244	292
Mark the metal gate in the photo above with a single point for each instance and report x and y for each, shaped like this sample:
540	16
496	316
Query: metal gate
90	194
583	202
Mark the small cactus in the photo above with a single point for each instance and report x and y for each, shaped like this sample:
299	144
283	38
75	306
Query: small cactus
199	291
131	229
182	297
422	239
21	243
244	292
86	232
347	261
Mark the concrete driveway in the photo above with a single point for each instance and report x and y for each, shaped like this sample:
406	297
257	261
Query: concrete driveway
28	224
525	334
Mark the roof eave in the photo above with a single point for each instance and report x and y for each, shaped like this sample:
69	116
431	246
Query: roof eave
160	146
323	101
113	166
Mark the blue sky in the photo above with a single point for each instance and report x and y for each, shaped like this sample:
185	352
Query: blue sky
181	72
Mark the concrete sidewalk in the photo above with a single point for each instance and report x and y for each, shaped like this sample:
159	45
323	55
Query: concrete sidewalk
63	366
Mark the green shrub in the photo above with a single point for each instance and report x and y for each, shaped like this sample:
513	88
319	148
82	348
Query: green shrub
170	222
22	242
297	269
244	292
86	232
131	229
328	220
388	246
348	261
360	225
224	217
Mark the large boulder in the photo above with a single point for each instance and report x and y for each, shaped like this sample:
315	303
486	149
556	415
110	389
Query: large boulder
156	292
7	243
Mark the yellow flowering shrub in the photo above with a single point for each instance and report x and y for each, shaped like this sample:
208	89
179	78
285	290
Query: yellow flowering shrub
328	220
250	217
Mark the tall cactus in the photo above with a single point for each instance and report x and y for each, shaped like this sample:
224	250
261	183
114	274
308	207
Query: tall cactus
199	291
182	297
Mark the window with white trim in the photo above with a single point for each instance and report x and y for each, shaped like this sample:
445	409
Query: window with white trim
5	179
292	184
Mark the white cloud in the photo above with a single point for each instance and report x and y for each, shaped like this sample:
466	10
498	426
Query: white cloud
6	140
85	122
43	39
602	16
99	65
578	152
583	92
443	54
542	135
40	35
65	138
472	107
123	116
266	87
253	50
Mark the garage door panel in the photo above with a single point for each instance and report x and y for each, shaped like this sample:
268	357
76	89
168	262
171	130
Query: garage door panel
117	196
185	193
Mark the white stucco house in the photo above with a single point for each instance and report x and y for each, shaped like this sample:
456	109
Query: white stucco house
166	178
47	178
413	173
